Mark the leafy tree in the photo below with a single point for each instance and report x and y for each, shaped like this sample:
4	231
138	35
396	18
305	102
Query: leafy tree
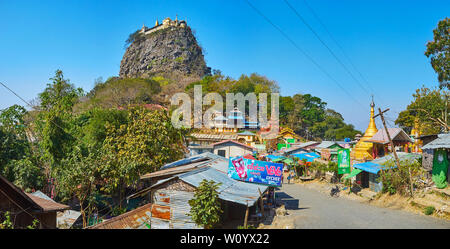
439	52
92	124
12	120
55	117
205	206
144	144
428	107
26	173
78	179
118	92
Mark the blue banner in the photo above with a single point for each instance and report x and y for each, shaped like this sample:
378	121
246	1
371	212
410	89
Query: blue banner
254	171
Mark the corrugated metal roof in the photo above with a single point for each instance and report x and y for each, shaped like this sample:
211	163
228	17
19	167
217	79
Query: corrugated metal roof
401	156
233	142
217	137
370	167
326	144
394	133
307	144
137	218
246	133
230	189
292	149
443	141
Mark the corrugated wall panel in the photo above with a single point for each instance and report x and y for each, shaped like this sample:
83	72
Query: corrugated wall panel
159	224
178	202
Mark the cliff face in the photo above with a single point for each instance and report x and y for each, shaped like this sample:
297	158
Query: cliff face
172	52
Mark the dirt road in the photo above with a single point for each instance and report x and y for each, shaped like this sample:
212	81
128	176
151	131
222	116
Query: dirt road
310	208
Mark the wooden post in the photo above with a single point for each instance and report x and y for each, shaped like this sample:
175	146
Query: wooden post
261	202
393	148
246	217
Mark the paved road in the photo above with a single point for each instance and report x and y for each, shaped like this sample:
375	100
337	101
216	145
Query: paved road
312	209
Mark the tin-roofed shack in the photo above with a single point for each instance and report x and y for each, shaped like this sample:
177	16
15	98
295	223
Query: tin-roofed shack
175	190
25	208
436	159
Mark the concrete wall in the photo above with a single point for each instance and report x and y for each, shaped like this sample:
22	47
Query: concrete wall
232	150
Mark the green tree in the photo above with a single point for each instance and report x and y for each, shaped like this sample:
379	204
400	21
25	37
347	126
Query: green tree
54	120
429	108
141	146
78	179
205	206
12	120
439	52
117	92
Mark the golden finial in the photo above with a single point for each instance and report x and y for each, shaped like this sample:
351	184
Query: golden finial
156	23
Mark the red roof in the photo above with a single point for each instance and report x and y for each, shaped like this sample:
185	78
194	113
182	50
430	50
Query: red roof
232	141
249	156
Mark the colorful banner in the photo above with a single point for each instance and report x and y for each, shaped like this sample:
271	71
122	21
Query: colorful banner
343	161
254	171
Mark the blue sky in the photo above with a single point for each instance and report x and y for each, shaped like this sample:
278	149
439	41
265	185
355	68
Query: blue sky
384	39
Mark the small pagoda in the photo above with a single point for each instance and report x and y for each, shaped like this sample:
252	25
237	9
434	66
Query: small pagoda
363	150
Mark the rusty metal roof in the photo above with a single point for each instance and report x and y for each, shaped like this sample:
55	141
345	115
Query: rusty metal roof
47	205
139	218
28	200
229	189
218	137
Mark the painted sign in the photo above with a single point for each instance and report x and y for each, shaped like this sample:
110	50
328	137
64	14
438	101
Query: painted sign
343	161
254	171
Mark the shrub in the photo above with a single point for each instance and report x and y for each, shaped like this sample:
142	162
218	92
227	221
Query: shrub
429	210
398	180
205	206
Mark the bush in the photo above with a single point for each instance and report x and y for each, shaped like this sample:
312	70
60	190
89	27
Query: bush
397	180
429	210
205	206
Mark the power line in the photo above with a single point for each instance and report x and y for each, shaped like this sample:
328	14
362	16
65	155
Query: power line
304	53
324	44
32	107
340	48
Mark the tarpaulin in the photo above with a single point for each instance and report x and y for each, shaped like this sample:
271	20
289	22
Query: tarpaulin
353	173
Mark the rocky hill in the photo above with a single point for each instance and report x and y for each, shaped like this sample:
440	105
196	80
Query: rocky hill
169	49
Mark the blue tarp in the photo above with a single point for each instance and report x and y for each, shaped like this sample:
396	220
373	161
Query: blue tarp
272	157
371	167
308	156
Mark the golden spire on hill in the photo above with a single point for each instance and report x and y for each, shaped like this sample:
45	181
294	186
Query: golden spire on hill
363	150
156	23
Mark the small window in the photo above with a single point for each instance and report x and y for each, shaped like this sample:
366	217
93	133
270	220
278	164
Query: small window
221	153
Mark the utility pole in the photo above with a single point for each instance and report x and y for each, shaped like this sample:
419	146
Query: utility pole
392	145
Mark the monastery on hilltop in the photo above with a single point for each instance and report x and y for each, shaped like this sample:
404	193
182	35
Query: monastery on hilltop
166	23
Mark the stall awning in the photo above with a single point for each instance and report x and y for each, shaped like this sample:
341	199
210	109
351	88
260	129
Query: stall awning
371	167
353	173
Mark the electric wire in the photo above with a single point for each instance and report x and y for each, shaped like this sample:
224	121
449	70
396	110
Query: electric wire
304	53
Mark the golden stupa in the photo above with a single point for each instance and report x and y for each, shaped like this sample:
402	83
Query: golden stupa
415	134
363	150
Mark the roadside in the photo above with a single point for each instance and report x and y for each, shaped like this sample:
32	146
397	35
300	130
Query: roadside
309	205
439	199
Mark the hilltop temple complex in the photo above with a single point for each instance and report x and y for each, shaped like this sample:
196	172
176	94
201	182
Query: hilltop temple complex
363	150
166	23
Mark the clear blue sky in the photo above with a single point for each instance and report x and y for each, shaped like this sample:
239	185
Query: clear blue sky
384	39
